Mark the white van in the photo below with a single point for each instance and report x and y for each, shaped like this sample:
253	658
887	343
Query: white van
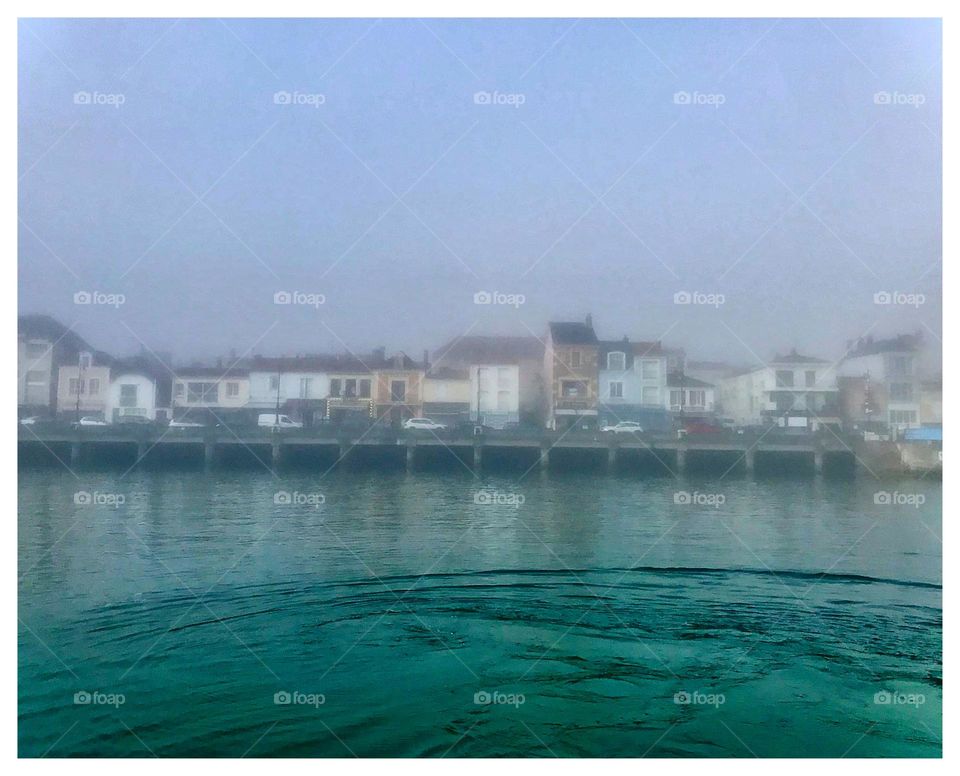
274	420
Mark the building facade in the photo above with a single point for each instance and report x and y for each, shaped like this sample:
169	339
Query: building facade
572	368
83	388
792	391
632	383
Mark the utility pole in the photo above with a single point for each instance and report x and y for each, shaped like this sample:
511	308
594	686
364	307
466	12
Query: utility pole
79	383
276	417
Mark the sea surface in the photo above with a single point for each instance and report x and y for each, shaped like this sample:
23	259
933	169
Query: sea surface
238	613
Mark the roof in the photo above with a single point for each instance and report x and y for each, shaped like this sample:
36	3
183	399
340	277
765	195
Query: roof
572	333
49	328
868	346
678	380
212	371
638	348
336	363
796	358
489	350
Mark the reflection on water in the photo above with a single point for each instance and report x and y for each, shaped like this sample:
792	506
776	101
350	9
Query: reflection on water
432	614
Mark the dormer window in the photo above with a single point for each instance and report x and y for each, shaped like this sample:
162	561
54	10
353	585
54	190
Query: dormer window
616	362
85	360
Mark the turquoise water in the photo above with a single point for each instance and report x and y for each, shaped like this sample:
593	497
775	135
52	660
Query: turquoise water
575	615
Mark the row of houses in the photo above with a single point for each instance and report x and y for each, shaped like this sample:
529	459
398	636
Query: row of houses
569	378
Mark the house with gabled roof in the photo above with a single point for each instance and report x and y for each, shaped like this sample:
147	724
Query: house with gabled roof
571	363
633	383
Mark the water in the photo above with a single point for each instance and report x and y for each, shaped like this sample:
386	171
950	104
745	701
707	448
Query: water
392	613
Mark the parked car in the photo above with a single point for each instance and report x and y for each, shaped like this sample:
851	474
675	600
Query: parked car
276	420
31	421
422	424
624	427
185	424
91	420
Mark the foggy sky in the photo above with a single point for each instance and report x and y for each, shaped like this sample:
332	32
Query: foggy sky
789	188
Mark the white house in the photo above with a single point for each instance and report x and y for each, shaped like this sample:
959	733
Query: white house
132	394
495	394
792	391
689	397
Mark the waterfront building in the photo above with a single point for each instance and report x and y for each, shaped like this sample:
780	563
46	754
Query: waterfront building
140	390
689	398
43	346
213	392
83	388
398	388
633	383
881	381
792	391
446	395
506	377
299	386
571	367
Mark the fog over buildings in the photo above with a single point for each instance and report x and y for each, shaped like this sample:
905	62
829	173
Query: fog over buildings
787	172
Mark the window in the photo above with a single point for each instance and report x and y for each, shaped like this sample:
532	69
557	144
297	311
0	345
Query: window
398	390
274	382
76	386
901	392
573	389
199	392
128	395
503	401
85	360
698	398
676	398
900	365
650	369
335	387
37	349
178	390
94	386
350	388
575	359
504	377
903	416
616	389
233	389
36	378
650	395
305	383
784	378
616	362
811	378
364	389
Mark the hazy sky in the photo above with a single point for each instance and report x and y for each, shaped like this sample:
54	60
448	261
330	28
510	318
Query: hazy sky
800	178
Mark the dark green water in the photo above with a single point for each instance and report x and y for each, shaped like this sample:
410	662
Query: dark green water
580	614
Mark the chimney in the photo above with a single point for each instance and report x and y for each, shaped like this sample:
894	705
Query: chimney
626	339
589	320
380	353
426	359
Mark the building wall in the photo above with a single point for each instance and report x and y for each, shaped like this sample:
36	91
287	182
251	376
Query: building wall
181	394
90	403
146	397
931	404
558	368
441	390
887	379
35	378
264	395
412	403
638	389
682	394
